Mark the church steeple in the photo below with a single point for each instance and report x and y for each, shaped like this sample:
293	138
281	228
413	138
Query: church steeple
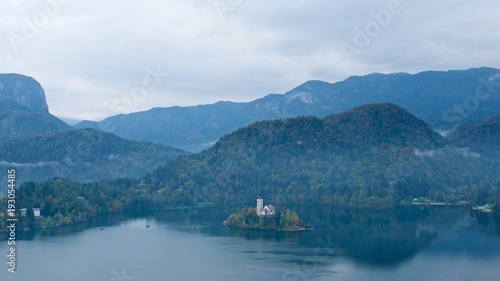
260	205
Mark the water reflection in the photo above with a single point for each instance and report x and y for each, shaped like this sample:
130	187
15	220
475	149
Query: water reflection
63	230
382	239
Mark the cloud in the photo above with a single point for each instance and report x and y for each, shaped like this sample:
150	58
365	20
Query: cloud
90	53
464	151
428	153
27	165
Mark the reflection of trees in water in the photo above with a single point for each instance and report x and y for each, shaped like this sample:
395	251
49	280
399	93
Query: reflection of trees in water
373	237
288	236
483	219
487	223
99	221
497	224
380	237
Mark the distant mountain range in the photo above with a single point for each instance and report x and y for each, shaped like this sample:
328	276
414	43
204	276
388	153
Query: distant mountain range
445	100
379	145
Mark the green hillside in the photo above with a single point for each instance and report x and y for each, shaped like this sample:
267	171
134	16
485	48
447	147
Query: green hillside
483	137
373	156
82	155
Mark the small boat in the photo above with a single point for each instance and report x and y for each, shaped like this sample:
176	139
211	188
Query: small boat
147	226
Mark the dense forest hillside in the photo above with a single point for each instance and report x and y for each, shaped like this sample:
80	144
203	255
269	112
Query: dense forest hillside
483	137
386	124
82	155
374	156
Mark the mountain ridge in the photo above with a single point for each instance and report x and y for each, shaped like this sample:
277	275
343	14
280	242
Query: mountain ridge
433	96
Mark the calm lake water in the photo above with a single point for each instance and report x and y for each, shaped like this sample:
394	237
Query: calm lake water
438	243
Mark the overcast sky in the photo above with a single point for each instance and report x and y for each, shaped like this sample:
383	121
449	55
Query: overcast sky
101	58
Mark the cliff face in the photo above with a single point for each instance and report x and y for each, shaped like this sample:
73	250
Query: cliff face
21	92
23	108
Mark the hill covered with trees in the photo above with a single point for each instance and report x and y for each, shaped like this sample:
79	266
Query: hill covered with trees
483	137
82	155
373	156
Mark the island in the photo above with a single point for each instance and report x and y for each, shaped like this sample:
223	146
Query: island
266	218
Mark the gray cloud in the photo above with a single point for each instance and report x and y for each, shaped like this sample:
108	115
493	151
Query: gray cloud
88	54
27	165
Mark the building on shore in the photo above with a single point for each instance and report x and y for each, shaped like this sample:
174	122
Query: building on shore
36	212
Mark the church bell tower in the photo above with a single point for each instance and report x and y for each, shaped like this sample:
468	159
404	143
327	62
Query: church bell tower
260	206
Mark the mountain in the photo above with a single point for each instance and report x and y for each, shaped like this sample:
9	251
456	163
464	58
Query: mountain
23	108
87	124
483	137
22	92
443	99
41	146
375	155
378	124
82	155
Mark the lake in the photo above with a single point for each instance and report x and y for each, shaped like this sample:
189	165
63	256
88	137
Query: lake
407	243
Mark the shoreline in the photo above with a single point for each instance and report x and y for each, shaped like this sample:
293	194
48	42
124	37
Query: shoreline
295	229
354	207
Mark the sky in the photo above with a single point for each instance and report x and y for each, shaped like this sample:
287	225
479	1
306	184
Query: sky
97	59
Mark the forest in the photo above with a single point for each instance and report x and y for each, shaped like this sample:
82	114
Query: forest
375	156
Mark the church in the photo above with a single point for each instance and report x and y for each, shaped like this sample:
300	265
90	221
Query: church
264	210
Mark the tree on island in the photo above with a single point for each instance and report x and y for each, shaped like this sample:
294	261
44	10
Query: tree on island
247	218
